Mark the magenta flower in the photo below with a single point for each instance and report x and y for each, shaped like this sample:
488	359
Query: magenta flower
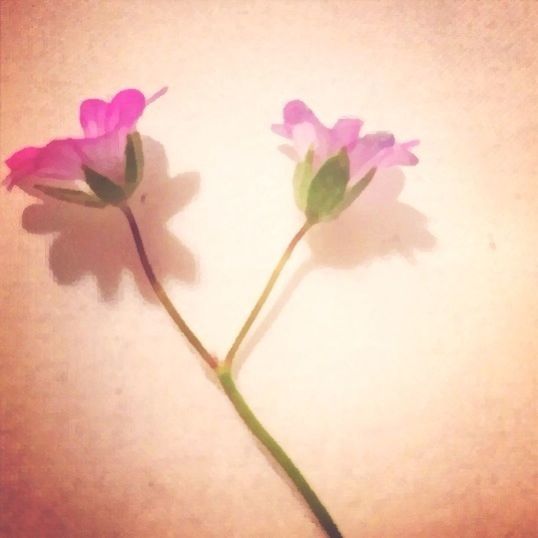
332	160
106	126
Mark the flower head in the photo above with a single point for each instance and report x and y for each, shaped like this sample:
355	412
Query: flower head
102	152
335	163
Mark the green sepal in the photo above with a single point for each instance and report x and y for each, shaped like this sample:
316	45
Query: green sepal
105	189
355	191
328	187
72	196
301	180
134	161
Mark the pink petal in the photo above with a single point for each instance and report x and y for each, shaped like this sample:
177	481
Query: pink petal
304	137
21	164
98	117
104	154
380	151
93	117
366	153
58	160
306	131
345	133
23	158
105	127
297	112
125	109
400	155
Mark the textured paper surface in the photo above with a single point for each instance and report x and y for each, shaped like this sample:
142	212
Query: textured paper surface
396	361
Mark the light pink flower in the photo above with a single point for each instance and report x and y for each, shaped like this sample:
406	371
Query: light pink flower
105	126
375	150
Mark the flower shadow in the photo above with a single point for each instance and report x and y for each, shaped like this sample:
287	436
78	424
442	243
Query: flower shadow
377	225
97	241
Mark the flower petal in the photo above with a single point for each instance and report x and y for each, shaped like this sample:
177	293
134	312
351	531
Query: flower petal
98	117
305	130
124	110
345	133
58	160
105	125
366	153
400	155
93	117
304	137
21	164
297	112
104	154
380	150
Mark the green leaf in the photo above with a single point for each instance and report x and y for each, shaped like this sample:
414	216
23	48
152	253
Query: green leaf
105	189
355	191
70	195
134	160
328	187
302	179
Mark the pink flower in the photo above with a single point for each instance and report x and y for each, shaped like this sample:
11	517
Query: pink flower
375	150
105	126
330	158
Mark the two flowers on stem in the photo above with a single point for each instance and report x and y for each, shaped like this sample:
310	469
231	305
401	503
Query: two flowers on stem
105	166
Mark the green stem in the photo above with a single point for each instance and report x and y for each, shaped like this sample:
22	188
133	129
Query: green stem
267	290
161	294
224	373
254	425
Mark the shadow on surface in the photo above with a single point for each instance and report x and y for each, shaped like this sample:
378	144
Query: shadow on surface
375	226
98	242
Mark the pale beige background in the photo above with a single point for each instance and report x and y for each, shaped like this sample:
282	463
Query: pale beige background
397	360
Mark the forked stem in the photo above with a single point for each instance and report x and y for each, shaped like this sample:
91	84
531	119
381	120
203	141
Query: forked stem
224	375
